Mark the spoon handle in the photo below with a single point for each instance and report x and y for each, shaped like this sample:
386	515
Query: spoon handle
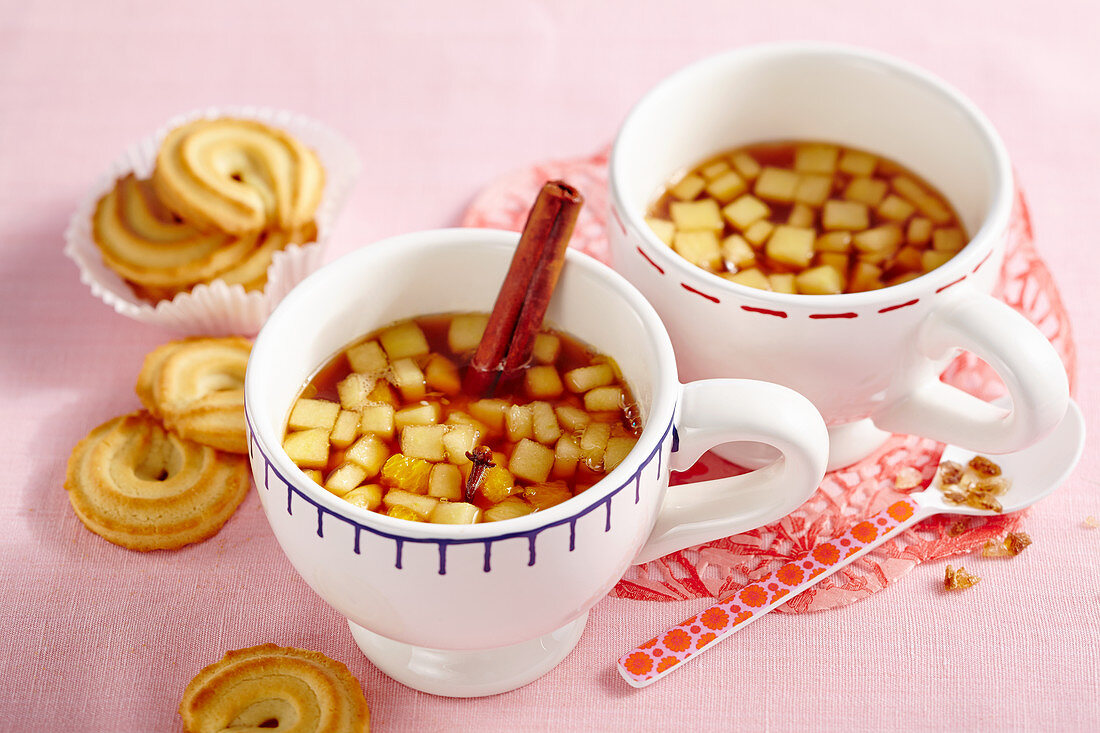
659	656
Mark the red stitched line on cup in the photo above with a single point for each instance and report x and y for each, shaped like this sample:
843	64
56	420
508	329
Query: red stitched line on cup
647	259
765	311
619	221
945	287
978	266
690	289
887	309
834	315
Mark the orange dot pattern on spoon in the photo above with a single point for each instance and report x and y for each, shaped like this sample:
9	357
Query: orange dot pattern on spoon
692	636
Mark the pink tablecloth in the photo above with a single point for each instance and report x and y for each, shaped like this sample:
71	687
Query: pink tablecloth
439	99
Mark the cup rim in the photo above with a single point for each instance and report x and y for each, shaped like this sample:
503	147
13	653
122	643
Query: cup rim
412	246
969	258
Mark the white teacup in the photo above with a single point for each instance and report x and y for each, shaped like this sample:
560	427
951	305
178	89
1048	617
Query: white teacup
480	609
869	361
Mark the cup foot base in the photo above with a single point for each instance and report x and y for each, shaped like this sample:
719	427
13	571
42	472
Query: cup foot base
477	673
848	444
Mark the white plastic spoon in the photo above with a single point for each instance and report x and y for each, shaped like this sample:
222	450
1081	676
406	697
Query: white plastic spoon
1035	472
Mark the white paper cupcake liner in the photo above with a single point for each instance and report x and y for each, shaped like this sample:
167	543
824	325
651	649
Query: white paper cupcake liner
216	309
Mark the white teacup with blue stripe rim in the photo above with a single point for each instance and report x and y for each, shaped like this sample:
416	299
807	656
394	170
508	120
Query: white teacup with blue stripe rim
472	610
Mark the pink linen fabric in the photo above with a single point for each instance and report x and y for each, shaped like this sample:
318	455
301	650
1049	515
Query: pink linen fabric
439	99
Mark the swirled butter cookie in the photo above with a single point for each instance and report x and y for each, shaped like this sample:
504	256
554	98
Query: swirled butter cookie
196	386
139	486
281	688
238	176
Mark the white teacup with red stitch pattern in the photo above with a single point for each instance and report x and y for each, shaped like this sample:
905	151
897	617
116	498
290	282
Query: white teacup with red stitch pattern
868	361
481	609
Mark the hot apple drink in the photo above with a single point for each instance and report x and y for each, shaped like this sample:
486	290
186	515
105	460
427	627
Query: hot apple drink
808	218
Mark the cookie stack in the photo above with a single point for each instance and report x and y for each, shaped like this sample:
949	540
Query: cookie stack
172	474
225	195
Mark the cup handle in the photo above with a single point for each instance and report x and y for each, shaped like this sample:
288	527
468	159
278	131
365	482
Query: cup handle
716	411
1015	349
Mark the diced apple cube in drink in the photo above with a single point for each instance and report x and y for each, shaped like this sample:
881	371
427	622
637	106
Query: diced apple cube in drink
545	495
881	239
407	474
543	382
815	158
849	215
531	461
366	497
751	278
498	483
490	412
566	454
517	422
865	276
737	254
663	228
746	165
930	259
699	248
617	450
822	280
447	512
441	375
908	258
404	340
603	399
573	419
367	358
934	209
919	231
377	418
813	189
694	216
904	278
465	332
801	216
309	413
948	240
727	187
715	170
345	478
855	163
834	242
424	441
308	448
508	509
445	482
544	423
383	392
546	349
409	379
314	475
594	443
895	208
582	379
868	191
776	184
759	232
354	390
369	452
745	211
346	428
424	413
422	505
458	441
791	245
835	260
782	282
688	187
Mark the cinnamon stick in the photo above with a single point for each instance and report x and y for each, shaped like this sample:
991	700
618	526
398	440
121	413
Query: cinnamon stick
517	315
